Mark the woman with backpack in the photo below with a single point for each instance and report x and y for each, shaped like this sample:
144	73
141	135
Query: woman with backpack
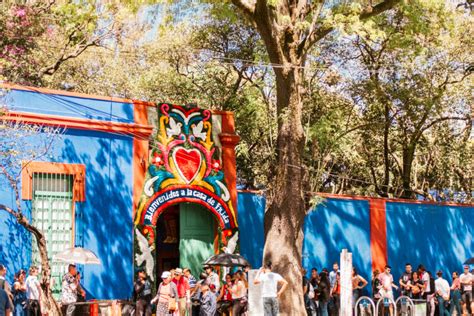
224	300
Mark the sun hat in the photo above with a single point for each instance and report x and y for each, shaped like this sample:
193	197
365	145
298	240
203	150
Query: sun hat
165	274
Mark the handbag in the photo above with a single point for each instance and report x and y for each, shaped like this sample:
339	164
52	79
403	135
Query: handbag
172	306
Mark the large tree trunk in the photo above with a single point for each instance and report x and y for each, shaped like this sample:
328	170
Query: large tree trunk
408	157
386	150
285	217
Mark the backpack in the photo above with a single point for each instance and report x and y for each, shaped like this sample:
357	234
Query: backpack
2	284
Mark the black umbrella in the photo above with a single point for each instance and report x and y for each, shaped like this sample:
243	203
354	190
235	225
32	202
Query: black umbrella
469	261
227	260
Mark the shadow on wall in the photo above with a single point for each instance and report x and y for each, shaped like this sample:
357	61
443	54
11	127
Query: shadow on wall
104	220
438	236
335	225
15	243
251	211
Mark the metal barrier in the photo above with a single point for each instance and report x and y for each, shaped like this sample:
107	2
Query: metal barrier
364	298
406	305
390	302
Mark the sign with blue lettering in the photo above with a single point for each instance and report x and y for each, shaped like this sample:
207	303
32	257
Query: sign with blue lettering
181	194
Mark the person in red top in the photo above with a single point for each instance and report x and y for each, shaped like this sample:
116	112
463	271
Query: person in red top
224	300
183	291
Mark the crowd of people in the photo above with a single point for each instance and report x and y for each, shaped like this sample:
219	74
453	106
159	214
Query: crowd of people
181	294
322	290
24	296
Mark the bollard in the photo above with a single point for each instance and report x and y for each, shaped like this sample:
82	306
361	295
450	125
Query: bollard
372	304
408	303
390	301
94	309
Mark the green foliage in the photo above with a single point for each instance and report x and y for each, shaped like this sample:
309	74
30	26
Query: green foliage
39	37
205	53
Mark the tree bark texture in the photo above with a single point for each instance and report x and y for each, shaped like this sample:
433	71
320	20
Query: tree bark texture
285	217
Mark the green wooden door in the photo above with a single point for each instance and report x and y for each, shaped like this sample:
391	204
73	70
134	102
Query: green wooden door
196	232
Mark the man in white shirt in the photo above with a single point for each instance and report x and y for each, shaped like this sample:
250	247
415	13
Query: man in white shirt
33	292
333	274
466	280
270	292
442	292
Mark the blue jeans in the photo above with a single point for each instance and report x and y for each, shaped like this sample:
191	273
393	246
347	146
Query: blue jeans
323	308
270	306
20	309
456	302
442	309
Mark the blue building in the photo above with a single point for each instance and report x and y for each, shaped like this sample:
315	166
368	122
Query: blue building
153	186
93	185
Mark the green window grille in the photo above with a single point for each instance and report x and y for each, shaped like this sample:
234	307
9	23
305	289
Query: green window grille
52	212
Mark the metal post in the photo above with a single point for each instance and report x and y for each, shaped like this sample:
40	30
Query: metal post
346	283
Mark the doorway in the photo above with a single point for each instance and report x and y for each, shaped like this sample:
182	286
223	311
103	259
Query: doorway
185	237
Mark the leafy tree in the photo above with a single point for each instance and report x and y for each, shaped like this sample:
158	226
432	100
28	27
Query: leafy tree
412	75
38	37
289	30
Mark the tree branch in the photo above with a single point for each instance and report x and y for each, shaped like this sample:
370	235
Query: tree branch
378	9
9	210
317	34
442	119
245	6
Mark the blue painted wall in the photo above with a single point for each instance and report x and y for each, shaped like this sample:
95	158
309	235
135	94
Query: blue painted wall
251	210
104	221
333	225
439	237
60	105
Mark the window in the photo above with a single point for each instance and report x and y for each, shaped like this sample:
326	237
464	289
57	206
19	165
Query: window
54	189
52	213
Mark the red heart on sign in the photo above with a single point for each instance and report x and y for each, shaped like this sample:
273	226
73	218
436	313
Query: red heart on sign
187	163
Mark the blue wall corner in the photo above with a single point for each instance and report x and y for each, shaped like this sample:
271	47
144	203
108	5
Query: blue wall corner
251	211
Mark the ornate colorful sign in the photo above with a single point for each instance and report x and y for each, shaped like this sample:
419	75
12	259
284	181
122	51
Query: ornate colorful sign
185	166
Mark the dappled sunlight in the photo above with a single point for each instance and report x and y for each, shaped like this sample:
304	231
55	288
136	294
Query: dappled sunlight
440	237
334	225
251	210
105	221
